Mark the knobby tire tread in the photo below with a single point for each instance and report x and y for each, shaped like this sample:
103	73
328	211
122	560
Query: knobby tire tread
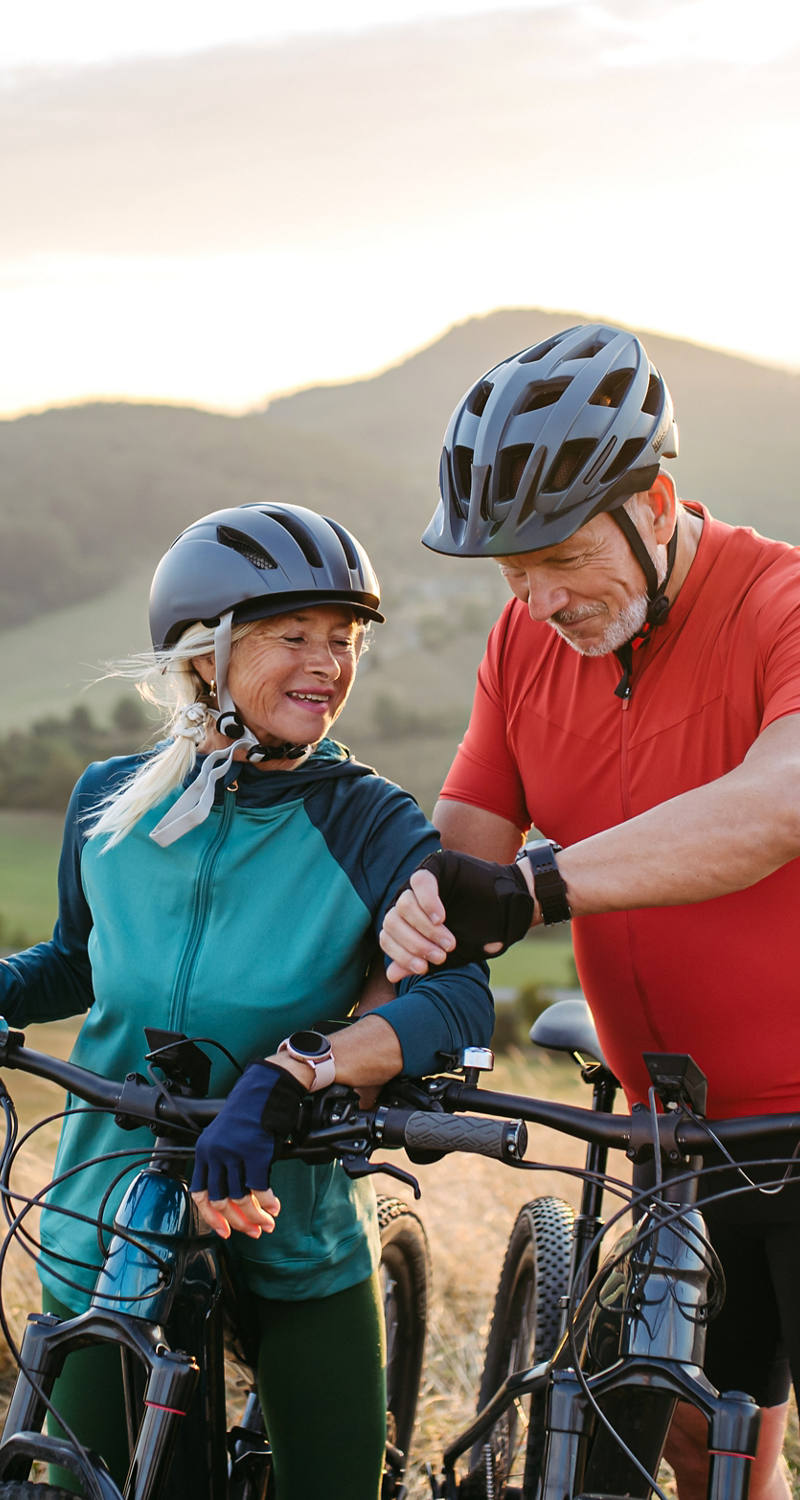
405	1270
24	1489
525	1329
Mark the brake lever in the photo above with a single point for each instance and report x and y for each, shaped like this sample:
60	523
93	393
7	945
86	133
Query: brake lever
358	1166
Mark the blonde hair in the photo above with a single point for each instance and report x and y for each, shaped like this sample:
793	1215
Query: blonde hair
167	680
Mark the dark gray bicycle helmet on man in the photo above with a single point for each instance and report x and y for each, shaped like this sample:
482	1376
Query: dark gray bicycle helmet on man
236	566
549	438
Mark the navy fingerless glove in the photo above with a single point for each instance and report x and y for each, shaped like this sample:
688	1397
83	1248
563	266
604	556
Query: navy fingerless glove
484	902
234	1153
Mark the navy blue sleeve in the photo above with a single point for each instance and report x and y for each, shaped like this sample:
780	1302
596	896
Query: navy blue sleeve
437	1015
432	1014
54	979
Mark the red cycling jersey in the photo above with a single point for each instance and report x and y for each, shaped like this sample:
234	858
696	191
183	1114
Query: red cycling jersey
550	745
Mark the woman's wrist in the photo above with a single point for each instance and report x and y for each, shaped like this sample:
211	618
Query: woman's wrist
302	1071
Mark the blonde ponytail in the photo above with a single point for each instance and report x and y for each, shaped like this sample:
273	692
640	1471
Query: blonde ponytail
169	681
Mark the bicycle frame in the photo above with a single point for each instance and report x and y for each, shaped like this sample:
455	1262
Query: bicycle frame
158	1302
663	1284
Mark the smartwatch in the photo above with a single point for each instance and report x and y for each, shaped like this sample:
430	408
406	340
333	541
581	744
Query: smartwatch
315	1049
549	887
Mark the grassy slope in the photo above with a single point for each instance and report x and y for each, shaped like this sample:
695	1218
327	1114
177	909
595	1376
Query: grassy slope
29	846
54	662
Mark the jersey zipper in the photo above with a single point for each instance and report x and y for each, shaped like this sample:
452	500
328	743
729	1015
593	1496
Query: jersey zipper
202	902
625	727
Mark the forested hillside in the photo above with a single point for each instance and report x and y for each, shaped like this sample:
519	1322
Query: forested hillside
89	492
92	495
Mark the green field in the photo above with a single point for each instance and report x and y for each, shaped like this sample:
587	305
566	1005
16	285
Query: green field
543	958
29	848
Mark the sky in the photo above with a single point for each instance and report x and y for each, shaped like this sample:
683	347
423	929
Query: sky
212	204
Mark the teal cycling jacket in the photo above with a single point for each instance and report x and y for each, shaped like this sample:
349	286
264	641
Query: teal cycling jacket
262	920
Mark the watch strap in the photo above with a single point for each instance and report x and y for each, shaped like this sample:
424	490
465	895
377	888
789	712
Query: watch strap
549	886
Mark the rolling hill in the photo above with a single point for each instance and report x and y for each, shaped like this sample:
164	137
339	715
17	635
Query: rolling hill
91	495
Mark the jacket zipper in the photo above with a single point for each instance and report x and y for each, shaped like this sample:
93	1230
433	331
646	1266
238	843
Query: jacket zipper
202	902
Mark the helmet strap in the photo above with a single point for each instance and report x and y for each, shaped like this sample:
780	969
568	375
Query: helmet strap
195	803
228	720
658	606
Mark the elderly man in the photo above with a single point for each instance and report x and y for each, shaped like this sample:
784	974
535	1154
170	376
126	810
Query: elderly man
639	702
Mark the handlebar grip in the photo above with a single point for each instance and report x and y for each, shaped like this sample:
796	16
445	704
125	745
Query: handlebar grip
505	1140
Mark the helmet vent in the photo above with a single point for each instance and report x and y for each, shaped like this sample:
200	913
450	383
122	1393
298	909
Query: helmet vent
538	396
302	535
625	459
528	505
568	464
462	471
530	356
512	466
347	544
240	542
476	400
590	350
613	389
654	399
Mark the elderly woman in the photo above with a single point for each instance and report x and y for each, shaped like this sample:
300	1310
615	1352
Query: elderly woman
231	884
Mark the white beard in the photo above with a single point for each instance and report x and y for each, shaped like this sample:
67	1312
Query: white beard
627	623
617	632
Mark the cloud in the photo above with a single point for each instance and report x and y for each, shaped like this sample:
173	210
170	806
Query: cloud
243	148
220	225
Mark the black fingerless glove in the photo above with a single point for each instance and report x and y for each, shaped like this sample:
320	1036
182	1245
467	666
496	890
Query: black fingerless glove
485	903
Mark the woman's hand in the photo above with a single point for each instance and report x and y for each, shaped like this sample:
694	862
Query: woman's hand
253	1215
234	1154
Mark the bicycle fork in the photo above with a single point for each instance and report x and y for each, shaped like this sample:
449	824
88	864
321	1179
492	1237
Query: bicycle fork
733	1431
171	1380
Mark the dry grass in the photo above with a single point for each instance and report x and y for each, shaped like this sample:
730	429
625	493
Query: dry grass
468	1206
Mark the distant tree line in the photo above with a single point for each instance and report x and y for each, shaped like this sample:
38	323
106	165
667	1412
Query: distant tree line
39	766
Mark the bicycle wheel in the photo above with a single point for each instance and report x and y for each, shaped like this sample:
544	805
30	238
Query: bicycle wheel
525	1328
405	1275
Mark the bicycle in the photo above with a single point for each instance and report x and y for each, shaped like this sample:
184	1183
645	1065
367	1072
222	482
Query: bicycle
138	1304
158	1292
600	1354
579	1428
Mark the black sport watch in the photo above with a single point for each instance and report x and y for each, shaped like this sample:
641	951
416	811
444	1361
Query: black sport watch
549	887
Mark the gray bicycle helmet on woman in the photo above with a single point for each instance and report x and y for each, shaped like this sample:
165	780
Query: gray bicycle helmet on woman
243	564
256	561
547	439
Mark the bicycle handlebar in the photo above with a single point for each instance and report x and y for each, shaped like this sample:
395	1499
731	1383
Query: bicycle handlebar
137	1101
441	1129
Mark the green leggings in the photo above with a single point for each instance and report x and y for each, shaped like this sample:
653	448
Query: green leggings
321	1382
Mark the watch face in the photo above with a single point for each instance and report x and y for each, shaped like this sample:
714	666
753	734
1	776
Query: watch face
310	1043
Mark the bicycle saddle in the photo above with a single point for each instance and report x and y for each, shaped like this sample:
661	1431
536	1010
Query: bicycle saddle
567	1026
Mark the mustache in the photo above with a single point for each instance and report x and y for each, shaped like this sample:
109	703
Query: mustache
574	616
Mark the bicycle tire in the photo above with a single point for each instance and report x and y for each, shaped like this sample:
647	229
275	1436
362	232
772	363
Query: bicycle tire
405	1278
24	1489
525	1328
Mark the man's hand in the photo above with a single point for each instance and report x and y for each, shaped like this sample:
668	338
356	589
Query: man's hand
413	934
455	909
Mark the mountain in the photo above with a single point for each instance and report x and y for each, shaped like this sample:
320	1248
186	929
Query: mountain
89	492
92	495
